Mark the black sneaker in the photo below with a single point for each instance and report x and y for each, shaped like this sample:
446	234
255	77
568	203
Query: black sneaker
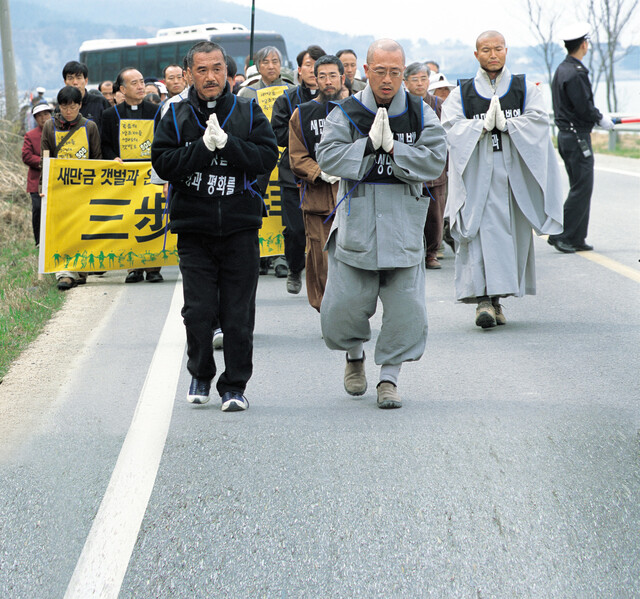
199	391
135	276
234	401
154	277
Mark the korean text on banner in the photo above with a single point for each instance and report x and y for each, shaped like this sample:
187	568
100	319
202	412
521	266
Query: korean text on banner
102	215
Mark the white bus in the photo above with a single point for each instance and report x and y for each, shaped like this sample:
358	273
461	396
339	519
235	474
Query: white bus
106	57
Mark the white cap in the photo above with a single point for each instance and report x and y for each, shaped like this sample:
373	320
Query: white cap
575	31
440	82
40	90
41	108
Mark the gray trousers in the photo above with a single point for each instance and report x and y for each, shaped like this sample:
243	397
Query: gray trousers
350	300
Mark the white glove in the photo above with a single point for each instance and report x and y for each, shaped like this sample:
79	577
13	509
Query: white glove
387	134
501	120
375	133
490	117
329	178
606	123
214	137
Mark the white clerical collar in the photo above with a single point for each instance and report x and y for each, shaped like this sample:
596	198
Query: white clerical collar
212	104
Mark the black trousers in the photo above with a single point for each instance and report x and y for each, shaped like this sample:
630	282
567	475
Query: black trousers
577	206
36	209
220	279
294	238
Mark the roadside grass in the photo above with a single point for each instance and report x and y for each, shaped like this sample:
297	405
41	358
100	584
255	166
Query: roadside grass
26	301
628	144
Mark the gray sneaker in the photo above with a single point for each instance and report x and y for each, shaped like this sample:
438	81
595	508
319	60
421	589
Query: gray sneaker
388	397
485	315
355	378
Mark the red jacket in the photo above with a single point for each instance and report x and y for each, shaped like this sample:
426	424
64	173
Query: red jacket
31	157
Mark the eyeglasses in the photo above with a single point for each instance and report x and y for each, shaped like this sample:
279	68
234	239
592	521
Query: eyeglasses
393	73
325	76
422	79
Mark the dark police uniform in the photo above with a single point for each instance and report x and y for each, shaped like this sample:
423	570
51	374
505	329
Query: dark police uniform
216	215
575	117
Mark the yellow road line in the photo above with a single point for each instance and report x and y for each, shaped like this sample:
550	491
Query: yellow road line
621	269
625	271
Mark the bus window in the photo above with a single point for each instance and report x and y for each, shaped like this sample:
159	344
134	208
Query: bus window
167	56
94	66
129	58
148	61
111	64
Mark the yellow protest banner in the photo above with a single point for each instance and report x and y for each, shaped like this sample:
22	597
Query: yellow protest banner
271	239
102	215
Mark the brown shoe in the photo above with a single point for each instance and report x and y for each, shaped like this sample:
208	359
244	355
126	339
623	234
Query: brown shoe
500	317
388	397
355	378
433	263
485	315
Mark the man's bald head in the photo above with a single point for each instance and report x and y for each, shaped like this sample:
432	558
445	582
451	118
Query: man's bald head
485	35
491	52
385	45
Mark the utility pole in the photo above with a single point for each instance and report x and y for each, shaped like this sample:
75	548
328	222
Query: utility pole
253	26
8	63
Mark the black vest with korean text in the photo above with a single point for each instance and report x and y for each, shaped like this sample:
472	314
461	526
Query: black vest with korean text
218	179
475	106
406	127
312	116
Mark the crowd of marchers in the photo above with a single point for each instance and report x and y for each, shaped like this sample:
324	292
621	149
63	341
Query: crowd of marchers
375	169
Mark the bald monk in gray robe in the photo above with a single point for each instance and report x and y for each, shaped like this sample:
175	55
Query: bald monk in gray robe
504	181
375	247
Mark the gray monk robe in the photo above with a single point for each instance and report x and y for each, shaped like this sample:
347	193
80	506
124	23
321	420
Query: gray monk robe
376	242
497	197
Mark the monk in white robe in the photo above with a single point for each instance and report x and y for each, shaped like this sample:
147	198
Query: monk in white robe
504	181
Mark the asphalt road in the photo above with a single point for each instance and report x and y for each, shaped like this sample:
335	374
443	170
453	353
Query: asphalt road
511	470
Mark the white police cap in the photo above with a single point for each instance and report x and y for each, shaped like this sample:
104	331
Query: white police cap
575	31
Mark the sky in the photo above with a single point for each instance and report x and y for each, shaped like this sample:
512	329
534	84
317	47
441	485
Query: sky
436	22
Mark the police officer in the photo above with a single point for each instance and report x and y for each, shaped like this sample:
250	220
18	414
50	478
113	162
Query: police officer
575	117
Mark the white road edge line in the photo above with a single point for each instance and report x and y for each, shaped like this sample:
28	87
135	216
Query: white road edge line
617	171
106	553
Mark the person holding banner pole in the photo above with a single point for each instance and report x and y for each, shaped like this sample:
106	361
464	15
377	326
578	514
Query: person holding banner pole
211	147
70	135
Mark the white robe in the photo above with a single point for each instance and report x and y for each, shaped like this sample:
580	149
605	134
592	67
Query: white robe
496	198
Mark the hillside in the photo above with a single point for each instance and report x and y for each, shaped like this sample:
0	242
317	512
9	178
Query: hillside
46	35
